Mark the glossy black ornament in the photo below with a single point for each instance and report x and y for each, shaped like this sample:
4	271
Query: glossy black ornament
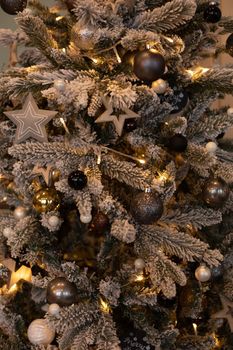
146	207
149	66
62	292
77	180
216	193
130	125
12	7
178	143
212	13
229	45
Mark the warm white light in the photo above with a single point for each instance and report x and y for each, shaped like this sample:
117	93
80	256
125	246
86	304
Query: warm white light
195	328
64	125
59	18
23	273
139	278
104	306
197	72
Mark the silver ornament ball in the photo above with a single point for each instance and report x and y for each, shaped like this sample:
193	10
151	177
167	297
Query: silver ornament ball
20	213
211	147
54	309
39	333
159	86
59	85
139	264
203	273
86	219
54	221
7	232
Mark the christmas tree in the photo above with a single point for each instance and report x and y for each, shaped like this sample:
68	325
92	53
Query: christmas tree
115	178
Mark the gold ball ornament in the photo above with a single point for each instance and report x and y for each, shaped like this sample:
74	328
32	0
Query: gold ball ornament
39	333
46	199
82	35
203	273
159	86
56	174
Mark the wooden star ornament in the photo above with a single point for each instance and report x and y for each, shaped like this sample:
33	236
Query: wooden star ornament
118	121
226	312
46	173
30	121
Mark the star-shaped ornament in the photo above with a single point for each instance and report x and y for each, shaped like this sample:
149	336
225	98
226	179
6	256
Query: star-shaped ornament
118	121
226	312
46	173
30	121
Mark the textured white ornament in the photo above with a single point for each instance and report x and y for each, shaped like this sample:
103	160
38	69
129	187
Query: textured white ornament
20	213
86	219
211	147
59	85
39	333
230	111
159	86
203	273
139	264
7	232
54	221
54	309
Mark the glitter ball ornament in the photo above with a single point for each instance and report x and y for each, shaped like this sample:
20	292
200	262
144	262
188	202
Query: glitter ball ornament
54	309
20	213
149	66
86	219
46	199
178	143
212	13
211	147
203	273
54	221
139	264
62	292
7	232
12	7
216	193
59	85
159	86
146	207
39	333
229	45
83	35
77	180
100	224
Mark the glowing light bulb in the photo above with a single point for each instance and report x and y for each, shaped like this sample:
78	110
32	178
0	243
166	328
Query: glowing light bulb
195	328
104	306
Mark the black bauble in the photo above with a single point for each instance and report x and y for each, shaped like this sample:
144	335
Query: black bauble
212	13
12	7
149	66
62	292
216	193
146	207
229	45
77	180
178	143
130	125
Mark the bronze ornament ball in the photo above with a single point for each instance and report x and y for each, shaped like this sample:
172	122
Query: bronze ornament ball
216	193
62	292
12	7
149	66
146	207
46	199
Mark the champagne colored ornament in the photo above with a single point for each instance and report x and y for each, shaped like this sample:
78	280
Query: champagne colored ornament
86	219
148	65
20	213
82	35
7	232
159	86
146	207
216	193
12	7
46	199
62	292
54	221
230	111
139	264
203	273
39	332
211	147
54	309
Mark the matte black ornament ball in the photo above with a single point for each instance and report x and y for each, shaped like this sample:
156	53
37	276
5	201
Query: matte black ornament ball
178	143
229	45
130	125
62	292
149	66
212	13
146	207
12	7
77	180
216	193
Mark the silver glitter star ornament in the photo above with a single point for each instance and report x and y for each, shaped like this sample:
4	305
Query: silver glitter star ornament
30	121
118	121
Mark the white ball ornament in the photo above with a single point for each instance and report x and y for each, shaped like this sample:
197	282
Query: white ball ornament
54	309
54	221
7	232
139	264
211	147
59	85
203	273
86	219
20	213
230	111
159	86
39	333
